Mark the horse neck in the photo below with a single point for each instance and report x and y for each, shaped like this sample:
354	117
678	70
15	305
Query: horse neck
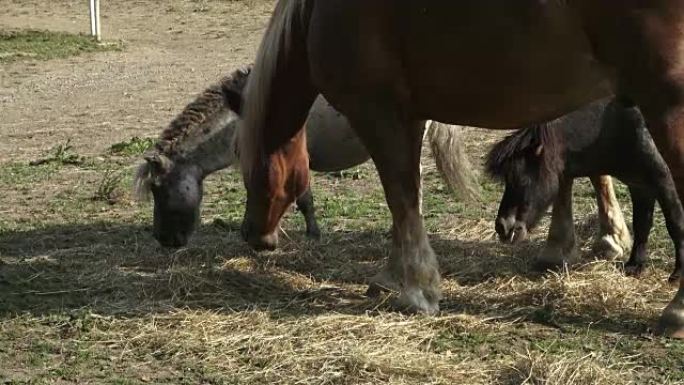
214	150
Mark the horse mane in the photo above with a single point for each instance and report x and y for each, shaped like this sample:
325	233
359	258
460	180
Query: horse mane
142	182
210	101
541	144
187	125
274	46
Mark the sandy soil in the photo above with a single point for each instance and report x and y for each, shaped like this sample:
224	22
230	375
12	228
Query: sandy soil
172	50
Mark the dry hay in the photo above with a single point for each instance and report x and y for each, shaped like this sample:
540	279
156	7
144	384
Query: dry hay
86	296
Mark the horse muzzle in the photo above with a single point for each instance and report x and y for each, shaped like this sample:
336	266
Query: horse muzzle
259	242
510	230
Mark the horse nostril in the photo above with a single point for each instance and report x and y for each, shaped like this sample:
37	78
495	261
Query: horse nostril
519	233
270	241
264	242
502	229
499	227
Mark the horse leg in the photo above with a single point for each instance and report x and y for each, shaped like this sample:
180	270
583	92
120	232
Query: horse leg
643	48
666	193
305	204
614	238
643	204
560	248
674	221
663	114
394	142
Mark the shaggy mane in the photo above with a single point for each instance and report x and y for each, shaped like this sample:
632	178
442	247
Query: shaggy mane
206	104
187	124
524	145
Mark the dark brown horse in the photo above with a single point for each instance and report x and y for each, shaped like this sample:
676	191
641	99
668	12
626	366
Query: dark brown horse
539	164
387	65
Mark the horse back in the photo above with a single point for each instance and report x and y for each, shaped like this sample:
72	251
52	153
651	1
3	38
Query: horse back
486	63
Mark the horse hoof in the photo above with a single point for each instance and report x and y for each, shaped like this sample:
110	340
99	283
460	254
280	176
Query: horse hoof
314	234
673	279
671	323
553	258
383	282
419	301
624	239
634	270
375	290
544	265
609	247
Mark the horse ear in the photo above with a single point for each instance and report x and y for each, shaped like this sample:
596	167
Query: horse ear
233	99
160	164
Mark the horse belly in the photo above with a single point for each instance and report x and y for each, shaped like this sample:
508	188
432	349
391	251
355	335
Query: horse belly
332	143
499	64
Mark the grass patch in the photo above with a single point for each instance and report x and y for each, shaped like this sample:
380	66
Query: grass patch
109	187
132	147
45	45
61	154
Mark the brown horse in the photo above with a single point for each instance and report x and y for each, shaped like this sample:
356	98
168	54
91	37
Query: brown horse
387	65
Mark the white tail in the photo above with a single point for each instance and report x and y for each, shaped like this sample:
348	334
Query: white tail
448	149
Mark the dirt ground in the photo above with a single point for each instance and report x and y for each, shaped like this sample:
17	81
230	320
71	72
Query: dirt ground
173	50
87	296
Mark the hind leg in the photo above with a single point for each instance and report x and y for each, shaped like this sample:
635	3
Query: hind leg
560	248
670	205
674	220
643	204
613	239
665	121
666	124
394	142
305	204
651	74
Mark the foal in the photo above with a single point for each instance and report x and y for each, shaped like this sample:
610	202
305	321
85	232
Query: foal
538	165
200	141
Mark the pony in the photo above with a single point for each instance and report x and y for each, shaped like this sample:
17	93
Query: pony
390	65
200	141
538	165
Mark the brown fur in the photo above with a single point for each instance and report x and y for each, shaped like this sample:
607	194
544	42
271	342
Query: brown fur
507	64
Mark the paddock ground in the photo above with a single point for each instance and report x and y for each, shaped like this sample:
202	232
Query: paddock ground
86	295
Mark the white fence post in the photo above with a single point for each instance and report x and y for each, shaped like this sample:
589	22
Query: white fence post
95	29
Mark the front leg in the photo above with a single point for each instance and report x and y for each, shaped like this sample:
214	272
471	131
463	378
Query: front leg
643	204
305	204
560	248
613	239
394	142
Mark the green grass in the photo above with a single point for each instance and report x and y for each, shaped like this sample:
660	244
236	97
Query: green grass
45	45
62	154
132	147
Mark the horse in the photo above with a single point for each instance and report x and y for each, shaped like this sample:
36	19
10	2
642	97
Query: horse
501	64
200	141
538	165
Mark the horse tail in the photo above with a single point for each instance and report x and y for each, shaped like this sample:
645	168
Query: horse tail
452	161
281	63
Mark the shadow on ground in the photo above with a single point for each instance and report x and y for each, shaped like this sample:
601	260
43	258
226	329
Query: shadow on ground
119	270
